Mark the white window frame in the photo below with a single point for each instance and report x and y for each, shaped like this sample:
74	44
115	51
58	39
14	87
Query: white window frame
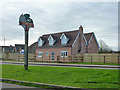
64	39
64	53
40	42
51	40
40	53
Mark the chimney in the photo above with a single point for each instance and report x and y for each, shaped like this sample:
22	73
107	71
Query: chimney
81	29
81	39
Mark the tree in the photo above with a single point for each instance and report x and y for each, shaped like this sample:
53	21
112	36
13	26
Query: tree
104	48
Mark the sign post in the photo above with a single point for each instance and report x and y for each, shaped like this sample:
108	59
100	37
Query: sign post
26	22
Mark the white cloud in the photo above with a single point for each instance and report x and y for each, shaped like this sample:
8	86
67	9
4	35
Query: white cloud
48	17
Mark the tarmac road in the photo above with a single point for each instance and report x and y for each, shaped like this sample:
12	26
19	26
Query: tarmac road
8	85
64	65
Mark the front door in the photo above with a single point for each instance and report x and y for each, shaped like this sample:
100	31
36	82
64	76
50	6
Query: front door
52	54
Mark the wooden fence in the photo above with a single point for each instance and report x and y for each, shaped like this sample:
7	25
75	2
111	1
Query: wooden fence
17	56
91	58
102	58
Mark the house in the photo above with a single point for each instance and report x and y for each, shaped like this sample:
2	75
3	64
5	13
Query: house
32	48
7	49
19	48
66	44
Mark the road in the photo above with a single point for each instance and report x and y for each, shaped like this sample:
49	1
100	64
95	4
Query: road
64	65
8	85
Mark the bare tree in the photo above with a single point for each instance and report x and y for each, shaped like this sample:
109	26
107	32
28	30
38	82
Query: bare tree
104	48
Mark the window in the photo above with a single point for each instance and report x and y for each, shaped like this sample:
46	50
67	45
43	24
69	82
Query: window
64	53
52	53
40	54
40	42
51	40
64	39
46	53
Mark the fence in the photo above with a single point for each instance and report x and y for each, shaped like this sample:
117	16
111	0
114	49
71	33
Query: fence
102	58
91	58
17	56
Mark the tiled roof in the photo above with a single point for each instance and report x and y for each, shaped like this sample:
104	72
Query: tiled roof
69	34
17	46
88	36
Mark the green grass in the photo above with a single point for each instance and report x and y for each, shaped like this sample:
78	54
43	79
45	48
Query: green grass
69	63
67	76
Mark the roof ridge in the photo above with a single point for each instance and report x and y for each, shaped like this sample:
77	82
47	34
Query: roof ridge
88	33
60	32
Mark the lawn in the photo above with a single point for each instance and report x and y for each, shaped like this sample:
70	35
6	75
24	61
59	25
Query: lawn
67	76
68	63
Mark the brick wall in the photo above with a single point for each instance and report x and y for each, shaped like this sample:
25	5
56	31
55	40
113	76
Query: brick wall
92	47
76	46
57	52
83	46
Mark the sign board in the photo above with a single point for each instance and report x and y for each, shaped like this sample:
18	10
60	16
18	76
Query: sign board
26	22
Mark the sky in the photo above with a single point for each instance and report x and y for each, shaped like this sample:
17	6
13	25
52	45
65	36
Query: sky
52	17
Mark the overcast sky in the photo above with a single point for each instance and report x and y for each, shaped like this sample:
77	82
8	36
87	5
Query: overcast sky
52	17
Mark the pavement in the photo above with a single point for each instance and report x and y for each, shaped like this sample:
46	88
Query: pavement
53	87
8	85
64	65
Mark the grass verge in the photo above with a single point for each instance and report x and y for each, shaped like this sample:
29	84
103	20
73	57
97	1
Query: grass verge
67	76
69	63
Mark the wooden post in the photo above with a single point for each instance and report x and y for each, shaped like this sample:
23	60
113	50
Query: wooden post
118	59
49	58
63	58
78	58
69	59
91	59
26	50
35	58
58	57
42	58
82	58
104	59
18	57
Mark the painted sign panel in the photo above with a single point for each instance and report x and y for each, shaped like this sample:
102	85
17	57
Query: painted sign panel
25	21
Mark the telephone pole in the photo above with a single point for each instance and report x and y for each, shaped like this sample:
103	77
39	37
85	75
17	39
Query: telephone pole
4	41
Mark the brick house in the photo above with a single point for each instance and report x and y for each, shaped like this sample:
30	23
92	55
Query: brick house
65	44
7	49
19	48
32	48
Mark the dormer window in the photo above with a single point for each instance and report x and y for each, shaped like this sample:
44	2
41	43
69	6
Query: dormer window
64	39
40	42
51	40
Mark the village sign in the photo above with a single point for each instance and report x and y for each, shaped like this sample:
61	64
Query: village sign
26	22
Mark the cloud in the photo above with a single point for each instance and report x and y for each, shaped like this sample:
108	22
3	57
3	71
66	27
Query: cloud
48	17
